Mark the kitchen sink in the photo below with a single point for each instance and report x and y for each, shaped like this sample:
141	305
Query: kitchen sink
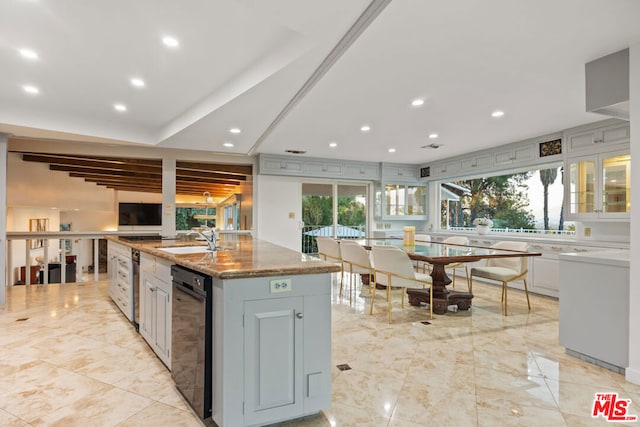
182	250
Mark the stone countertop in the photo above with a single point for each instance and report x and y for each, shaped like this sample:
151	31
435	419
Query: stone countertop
243	257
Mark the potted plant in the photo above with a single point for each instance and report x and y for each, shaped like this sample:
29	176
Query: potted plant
482	225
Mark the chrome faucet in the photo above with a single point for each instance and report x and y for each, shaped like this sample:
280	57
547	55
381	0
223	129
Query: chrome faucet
210	235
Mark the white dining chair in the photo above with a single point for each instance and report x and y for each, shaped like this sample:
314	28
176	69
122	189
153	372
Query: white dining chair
393	268
357	259
422	265
506	270
461	241
329	250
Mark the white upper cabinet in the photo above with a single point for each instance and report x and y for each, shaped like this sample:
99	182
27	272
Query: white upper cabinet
515	155
599	186
397	172
595	140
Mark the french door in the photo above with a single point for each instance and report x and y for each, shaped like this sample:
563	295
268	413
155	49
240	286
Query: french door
338	210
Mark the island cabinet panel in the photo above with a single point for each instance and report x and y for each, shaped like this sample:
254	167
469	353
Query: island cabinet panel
271	348
155	305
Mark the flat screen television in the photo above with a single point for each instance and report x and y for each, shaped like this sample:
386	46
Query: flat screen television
140	214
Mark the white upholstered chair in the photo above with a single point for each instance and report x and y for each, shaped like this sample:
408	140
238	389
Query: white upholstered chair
421	265
506	270
329	250
462	241
393	268
355	259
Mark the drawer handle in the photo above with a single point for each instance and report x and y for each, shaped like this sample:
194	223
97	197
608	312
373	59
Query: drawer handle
299	315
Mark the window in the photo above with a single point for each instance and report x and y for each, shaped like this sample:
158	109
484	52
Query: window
186	217
529	201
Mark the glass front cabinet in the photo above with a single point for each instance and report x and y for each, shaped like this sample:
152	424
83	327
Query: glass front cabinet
401	201
599	187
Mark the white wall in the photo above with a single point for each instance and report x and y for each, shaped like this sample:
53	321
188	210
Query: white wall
3	217
277	198
633	371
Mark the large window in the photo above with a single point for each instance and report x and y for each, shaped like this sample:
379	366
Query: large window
189	217
530	201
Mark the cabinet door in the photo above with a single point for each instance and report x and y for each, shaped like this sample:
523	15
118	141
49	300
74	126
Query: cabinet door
616	184
582	187
273	359
147	307
162	322
546	276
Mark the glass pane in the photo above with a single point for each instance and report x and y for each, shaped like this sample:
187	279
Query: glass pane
416	200
317	214
395	195
352	211
616	188
582	183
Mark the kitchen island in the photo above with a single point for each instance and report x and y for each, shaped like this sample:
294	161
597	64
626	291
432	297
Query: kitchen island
594	307
271	326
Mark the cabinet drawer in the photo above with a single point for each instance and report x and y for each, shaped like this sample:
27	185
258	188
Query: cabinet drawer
324	169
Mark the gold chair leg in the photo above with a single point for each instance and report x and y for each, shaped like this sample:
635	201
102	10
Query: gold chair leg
389	296
453	283
526	291
373	297
466	272
504	291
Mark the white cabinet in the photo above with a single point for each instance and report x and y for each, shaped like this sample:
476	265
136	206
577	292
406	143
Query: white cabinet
272	350
599	186
120	275
324	169
396	173
593	140
477	163
515	155
356	170
280	166
155	305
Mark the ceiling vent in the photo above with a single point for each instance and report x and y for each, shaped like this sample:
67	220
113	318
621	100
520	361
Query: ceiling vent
295	151
607	85
434	146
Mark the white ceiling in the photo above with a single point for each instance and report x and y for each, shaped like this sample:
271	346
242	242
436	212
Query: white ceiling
240	63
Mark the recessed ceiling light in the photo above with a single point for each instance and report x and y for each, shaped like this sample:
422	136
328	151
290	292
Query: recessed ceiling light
235	130
228	144
170	41
417	102
120	107
391	150
497	113
365	128
137	82
29	54
333	144
433	135
32	90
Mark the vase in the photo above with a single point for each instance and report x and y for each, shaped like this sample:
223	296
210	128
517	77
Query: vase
482	229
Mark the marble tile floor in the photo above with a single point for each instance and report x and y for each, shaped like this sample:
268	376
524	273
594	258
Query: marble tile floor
68	357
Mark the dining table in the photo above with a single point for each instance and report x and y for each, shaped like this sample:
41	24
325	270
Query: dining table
439	255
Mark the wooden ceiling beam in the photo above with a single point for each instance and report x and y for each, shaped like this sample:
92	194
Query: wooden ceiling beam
92	164
104	159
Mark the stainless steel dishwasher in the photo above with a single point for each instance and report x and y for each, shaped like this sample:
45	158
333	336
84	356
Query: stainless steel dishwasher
191	338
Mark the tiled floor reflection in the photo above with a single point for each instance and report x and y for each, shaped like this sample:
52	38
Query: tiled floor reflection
76	361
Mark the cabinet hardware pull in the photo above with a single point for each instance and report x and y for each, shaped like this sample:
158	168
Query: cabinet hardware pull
152	289
299	315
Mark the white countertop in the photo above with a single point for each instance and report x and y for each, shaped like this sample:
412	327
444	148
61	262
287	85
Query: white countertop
619	257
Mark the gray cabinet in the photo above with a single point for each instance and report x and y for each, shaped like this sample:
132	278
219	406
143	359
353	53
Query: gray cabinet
271	349
476	163
273	344
324	169
155	305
